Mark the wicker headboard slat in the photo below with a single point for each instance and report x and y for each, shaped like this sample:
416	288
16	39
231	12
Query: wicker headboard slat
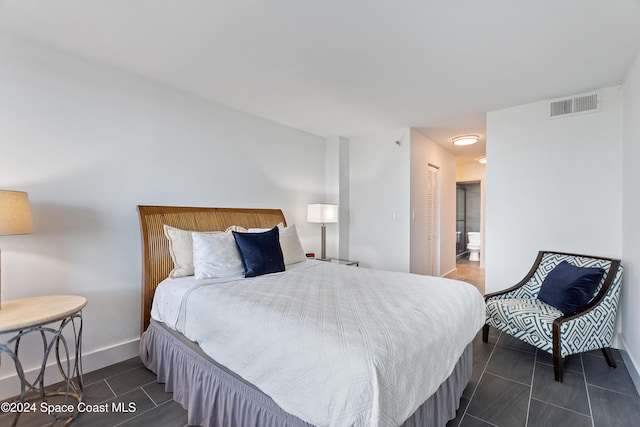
156	260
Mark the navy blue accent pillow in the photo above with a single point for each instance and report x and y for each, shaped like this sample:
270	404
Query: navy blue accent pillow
260	252
568	287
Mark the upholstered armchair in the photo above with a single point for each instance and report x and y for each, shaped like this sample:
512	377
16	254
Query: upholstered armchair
589	325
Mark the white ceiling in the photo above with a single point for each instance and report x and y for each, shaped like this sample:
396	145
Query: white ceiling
351	67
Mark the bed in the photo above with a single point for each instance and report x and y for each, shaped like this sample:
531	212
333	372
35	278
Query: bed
350	346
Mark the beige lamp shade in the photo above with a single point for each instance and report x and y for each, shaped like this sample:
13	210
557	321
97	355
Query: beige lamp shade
15	213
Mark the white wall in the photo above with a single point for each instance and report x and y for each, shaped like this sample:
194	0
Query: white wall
344	196
551	184
424	152
379	191
630	315
471	172
337	192
387	181
89	143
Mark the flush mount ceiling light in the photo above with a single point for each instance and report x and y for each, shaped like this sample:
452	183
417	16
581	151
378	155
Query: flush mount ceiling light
465	140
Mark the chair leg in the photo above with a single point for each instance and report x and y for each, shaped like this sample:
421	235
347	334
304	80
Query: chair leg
558	365
606	351
485	333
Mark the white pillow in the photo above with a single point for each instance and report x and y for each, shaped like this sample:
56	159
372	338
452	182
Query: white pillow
262	230
216	255
236	228
289	243
291	246
181	250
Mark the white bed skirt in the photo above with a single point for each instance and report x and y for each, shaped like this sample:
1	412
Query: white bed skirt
215	396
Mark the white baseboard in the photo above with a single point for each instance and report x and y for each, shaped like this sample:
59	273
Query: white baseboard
10	385
631	362
446	274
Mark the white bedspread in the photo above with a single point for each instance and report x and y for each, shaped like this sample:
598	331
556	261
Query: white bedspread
334	345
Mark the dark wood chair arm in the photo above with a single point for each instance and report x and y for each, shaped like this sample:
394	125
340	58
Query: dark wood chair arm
522	282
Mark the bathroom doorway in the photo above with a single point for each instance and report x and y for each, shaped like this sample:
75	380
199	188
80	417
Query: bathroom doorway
468	219
461	209
468	214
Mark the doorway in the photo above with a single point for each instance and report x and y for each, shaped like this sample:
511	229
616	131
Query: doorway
468	214
461	226
468	218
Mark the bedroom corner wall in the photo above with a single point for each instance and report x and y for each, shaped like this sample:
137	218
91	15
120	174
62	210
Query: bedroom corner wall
424	152
387	180
630	315
379	200
551	184
89	143
337	192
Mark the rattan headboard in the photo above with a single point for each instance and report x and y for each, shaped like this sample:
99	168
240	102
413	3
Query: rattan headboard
156	260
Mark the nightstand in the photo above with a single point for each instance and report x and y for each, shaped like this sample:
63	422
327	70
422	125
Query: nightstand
39	315
340	261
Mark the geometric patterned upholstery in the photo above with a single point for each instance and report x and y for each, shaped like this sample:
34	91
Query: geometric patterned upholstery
528	319
518	312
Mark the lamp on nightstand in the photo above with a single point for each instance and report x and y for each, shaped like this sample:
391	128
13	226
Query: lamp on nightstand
15	217
322	214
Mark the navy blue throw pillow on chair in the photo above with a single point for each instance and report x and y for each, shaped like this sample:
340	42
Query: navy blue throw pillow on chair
260	252
568	287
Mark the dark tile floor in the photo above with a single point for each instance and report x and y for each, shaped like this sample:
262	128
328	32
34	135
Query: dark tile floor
123	394
512	385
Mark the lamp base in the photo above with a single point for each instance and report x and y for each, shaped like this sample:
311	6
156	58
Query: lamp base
323	241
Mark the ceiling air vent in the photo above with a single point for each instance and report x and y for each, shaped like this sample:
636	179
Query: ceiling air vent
576	105
561	108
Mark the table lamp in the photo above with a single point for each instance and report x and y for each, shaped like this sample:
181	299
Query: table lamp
322	214
15	217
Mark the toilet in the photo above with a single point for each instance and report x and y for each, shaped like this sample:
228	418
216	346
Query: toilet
474	245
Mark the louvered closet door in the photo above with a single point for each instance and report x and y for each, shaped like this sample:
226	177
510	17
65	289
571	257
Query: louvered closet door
433	220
